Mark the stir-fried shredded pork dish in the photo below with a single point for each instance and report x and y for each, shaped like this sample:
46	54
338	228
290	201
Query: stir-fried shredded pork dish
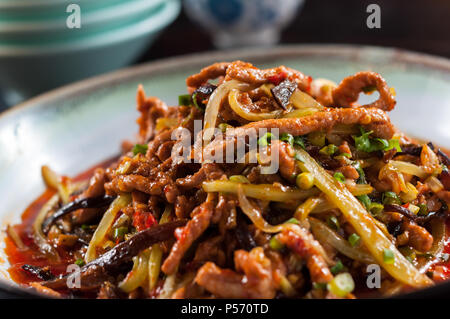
259	184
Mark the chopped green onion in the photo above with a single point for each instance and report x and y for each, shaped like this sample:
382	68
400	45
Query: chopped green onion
194	100
365	200
423	210
119	232
275	244
394	143
366	144
317	138
346	155
300	141
265	139
339	177
376	208
286	137
341	285
354	239
362	142
330	149
362	175
79	262
293	221
388	256
333	222
140	149
185	100
224	126
390	198
337	268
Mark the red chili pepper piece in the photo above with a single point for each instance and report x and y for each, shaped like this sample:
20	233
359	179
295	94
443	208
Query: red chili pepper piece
277	78
143	220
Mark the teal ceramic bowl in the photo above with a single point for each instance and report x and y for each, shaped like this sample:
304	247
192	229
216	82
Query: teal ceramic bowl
26	70
78	126
55	30
41	10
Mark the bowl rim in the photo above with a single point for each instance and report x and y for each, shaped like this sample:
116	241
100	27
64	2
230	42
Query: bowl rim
168	13
255	54
94	17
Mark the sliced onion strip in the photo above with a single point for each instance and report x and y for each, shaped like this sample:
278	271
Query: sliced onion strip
38	235
214	102
138	274
239	109
326	235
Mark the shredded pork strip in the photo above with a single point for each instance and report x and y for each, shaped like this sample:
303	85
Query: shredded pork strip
348	91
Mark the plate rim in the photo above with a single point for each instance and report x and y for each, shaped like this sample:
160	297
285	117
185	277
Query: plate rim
112	78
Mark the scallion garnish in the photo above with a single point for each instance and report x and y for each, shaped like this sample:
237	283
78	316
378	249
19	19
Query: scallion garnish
354	239
265	139
275	244
341	285
329	150
423	210
79	262
140	149
337	268
185	100
300	141
367	144
333	222
339	177
119	232
390	198
286	137
365	200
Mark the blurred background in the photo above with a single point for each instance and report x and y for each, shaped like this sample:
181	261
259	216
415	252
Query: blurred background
41	46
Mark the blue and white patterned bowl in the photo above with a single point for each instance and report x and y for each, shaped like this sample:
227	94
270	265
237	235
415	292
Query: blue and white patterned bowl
235	23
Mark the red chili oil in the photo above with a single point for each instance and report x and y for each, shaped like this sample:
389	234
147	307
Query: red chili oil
31	254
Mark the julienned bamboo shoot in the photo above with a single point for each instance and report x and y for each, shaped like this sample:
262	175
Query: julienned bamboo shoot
374	239
107	220
260	191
